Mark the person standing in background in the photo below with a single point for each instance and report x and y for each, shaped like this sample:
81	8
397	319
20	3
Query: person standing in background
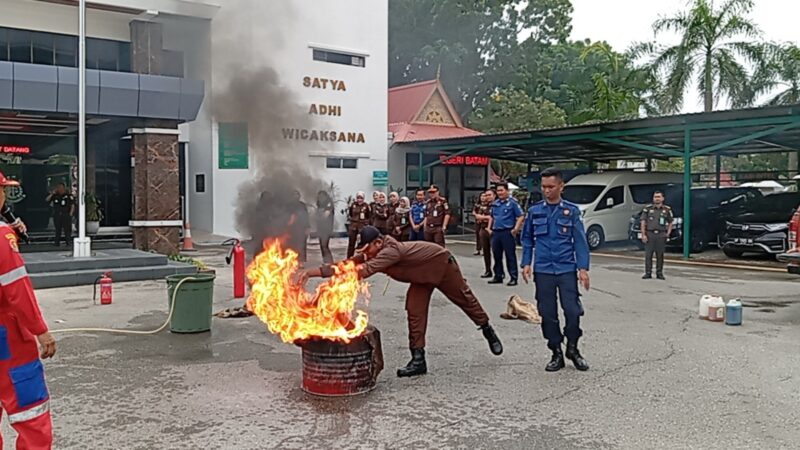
63	205
380	214
376	195
505	224
483	215
359	215
324	222
299	227
656	225
400	221
418	217
394	202
437	216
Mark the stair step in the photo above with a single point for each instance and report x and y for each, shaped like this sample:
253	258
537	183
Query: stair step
103	261
45	280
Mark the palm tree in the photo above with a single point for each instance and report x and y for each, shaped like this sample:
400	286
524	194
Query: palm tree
715	48
614	97
781	79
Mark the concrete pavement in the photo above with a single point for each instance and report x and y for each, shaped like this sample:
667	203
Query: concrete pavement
660	377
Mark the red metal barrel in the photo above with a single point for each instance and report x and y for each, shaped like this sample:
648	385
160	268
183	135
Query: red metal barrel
334	369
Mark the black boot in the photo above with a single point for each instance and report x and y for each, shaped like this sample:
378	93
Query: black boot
487	274
416	366
494	342
556	362
575	356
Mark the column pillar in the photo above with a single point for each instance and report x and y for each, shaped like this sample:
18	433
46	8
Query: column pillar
156	220
147	52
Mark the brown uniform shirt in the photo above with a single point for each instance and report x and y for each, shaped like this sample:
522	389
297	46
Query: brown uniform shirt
415	262
483	209
399	220
380	215
435	210
655	218
360	215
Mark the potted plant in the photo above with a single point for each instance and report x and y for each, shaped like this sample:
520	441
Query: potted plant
94	214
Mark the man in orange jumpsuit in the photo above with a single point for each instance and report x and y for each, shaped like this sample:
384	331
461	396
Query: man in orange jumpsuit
23	391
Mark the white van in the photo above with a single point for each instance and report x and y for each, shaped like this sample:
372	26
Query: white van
608	200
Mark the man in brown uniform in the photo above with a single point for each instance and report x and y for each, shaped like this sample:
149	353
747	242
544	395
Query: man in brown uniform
437	216
483	213
426	267
359	215
656	224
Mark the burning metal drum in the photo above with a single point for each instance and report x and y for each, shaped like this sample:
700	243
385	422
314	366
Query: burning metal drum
335	369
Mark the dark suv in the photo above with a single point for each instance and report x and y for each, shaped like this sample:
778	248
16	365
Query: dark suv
711	208
764	228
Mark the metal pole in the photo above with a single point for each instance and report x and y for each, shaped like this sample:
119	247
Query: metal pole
687	189
188	218
719	168
419	166
82	245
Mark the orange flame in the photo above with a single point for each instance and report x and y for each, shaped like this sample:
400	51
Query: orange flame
294	314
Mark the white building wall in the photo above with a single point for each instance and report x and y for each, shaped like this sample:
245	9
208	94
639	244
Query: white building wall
281	36
55	18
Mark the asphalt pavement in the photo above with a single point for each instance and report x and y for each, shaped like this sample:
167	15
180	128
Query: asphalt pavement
660	377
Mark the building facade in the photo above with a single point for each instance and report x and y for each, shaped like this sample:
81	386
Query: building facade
156	152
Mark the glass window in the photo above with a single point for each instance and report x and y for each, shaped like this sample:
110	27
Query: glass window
582	194
124	56
103	53
339	58
643	193
43	48
20	45
349	163
3	45
66	50
333	163
613	198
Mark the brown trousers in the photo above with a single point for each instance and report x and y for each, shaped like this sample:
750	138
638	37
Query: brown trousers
455	288
435	235
485	240
478	238
352	237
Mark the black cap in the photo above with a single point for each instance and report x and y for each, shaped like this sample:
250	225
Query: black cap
367	235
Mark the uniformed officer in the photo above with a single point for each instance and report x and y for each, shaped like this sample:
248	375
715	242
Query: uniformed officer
399	222
425	266
656	225
359	215
375	196
418	216
394	202
437	216
504	225
380	214
63	204
483	215
555	228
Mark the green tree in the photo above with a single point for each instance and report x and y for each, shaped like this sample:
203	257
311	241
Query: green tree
467	44
715	46
781	77
511	109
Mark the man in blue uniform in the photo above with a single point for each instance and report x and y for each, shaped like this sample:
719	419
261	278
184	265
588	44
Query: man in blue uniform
505	224
418	216
555	228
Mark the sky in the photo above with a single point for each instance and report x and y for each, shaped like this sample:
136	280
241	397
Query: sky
624	22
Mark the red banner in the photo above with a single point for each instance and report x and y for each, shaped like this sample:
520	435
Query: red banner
15	149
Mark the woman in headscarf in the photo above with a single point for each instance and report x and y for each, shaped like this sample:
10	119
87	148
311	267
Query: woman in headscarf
400	222
380	214
324	221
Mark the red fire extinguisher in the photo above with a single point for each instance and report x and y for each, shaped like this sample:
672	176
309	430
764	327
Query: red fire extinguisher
236	253
105	289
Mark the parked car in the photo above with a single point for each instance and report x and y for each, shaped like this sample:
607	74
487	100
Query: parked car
711	208
762	229
608	199
792	256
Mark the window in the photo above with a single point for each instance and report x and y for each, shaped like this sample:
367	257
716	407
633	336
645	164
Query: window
3	44
43	48
66	51
339	58
341	163
613	198
62	50
582	194
19	46
643	193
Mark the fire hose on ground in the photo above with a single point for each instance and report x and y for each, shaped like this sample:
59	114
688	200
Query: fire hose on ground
138	332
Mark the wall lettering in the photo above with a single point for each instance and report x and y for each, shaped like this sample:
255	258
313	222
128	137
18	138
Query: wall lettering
325	110
323	135
324	83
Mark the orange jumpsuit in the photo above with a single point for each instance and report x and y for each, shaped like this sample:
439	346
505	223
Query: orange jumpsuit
23	390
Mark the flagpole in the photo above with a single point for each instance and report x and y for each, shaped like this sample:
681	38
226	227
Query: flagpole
82	245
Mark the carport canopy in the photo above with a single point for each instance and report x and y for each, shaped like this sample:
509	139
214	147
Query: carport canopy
723	133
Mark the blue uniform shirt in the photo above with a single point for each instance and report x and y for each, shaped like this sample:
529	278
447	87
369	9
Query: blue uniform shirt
558	235
505	214
418	212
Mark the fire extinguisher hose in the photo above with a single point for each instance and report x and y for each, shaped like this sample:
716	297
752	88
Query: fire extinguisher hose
139	332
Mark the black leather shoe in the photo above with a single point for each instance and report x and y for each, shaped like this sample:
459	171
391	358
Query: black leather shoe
574	355
477	253
512	282
556	362
496	281
416	366
660	276
487	275
647	276
494	342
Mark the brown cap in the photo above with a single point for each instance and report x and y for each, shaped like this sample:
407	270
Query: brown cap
7	181
433	188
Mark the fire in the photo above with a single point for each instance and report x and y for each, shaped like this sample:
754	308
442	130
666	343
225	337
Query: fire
295	314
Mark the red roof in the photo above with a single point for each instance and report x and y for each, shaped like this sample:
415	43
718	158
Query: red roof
411	132
405	105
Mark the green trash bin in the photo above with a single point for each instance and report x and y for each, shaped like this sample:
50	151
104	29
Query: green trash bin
192	312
